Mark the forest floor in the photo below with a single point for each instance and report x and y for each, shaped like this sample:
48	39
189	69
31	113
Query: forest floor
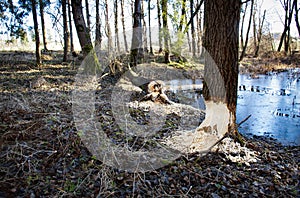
42	154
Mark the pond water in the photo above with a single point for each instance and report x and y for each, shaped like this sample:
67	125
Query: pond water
272	100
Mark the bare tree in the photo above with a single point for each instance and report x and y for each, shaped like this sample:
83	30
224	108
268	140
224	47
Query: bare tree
242	25
288	8
248	31
259	33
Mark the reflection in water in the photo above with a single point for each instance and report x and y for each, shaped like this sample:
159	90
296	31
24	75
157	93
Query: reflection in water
273	101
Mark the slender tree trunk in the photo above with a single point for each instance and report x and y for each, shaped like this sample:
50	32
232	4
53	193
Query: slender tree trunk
36	32
254	28
199	31
98	38
65	29
123	24
116	26
164	7
87	12
137	36
108	31
242	25
43	24
183	14
287	22
186	30
220	84
159	26
82	31
149	26
145	38
259	34
193	29
70	27
248	31
297	18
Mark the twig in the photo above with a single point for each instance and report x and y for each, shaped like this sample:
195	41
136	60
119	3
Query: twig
239	124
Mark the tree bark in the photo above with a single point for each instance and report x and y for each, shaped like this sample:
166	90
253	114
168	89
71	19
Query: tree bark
221	60
82	31
65	29
43	24
36	32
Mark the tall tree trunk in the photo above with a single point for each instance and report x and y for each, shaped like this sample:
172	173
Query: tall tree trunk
116	26
36	32
259	33
287	22
108	31
159	26
65	29
248	31
82	31
137	35
149	25
123	25
164	7
221	60
43	24
87	13
70	27
98	38
193	29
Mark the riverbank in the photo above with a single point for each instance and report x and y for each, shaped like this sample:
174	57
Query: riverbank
42	154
